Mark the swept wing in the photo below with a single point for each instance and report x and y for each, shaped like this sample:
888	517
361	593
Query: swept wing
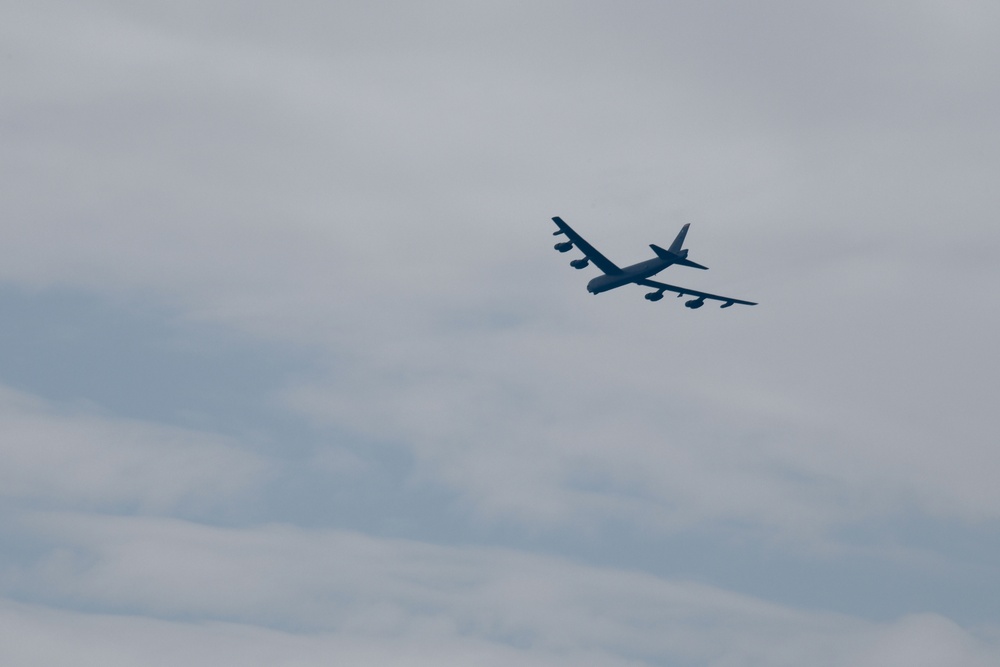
599	260
684	291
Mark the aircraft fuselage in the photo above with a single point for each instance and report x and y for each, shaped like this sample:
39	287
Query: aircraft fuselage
629	274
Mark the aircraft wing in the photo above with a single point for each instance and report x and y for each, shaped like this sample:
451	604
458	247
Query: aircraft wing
599	260
684	291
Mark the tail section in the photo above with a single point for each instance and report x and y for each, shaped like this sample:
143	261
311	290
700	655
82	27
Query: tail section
676	251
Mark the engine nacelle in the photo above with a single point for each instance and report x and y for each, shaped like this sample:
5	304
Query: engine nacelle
580	263
695	303
564	247
654	296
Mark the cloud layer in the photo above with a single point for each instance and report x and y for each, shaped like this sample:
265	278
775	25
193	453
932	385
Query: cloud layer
367	599
482	462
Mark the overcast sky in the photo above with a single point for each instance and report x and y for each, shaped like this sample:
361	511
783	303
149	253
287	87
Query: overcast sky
290	373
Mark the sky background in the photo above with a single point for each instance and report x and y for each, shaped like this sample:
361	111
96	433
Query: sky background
291	375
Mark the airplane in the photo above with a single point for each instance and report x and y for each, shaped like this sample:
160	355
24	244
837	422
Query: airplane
640	273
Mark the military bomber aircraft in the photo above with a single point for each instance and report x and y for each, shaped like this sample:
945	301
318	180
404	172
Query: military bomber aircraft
640	273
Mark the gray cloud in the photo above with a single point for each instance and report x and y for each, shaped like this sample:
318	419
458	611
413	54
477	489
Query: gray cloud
56	456
341	589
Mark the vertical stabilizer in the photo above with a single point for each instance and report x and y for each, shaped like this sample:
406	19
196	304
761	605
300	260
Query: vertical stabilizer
678	243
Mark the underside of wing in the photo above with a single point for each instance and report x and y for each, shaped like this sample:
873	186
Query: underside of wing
699	299
589	251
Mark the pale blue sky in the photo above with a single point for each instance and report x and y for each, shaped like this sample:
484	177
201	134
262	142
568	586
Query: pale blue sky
290	372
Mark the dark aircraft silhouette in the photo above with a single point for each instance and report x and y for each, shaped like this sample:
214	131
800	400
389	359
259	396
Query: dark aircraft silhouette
640	273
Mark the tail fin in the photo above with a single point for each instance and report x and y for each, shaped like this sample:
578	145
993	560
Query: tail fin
678	243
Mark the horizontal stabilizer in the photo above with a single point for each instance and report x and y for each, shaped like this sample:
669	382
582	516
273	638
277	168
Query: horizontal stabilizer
693	265
661	253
